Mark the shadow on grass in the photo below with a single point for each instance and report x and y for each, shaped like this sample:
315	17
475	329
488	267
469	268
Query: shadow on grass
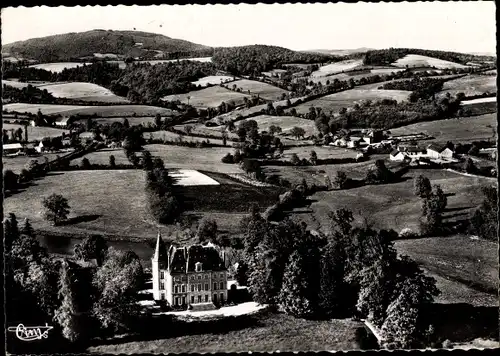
463	322
167	327
80	219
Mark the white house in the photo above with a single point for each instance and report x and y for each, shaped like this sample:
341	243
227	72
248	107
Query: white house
12	149
439	152
195	275
397	155
62	121
40	147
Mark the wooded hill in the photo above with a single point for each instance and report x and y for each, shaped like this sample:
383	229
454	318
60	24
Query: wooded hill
391	55
74	46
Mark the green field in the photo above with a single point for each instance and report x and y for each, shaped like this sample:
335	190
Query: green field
82	91
346	99
58	67
170	136
461	262
100	111
389	206
18	163
132	120
209	97
286	123
337	67
257	333
102	157
253	87
212	79
471	85
36	133
416	60
464	129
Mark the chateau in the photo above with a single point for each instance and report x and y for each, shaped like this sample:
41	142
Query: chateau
194	275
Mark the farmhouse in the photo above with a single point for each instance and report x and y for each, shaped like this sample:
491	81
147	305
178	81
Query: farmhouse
439	152
63	121
12	149
193	276
399	156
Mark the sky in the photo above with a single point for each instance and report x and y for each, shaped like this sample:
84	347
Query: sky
453	26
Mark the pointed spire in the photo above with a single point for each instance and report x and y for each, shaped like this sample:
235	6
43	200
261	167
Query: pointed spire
159	249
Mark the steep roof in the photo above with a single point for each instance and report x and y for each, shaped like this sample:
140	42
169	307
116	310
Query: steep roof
160	254
394	153
184	259
436	148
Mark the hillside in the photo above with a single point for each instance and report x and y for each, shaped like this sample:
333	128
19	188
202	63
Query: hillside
96	43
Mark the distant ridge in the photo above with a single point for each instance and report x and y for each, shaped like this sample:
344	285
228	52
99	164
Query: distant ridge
340	52
84	45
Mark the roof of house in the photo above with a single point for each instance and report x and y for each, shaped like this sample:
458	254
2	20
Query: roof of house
184	259
394	153
415	149
12	146
63	120
436	148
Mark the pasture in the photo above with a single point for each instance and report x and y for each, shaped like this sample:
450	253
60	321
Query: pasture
473	263
346	99
132	120
122	65
253	87
416	60
479	101
463	129
171	136
201	129
393	206
82	91
354	75
212	79
102	157
36	133
259	332
208	97
58	67
470	85
337	67
98	110
18	163
19	85
286	123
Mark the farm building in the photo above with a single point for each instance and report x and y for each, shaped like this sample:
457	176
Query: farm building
40	147
63	121
12	149
399	156
439	152
193	276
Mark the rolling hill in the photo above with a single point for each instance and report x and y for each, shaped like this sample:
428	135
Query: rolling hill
96	43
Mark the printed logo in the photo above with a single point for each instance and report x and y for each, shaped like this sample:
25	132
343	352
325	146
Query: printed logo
31	333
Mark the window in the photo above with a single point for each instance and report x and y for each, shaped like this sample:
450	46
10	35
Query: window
162	285
215	285
222	297
199	299
192	278
199	287
198	266
206	286
162	274
206	298
215	298
222	275
176	301
192	287
206	276
199	276
192	299
176	289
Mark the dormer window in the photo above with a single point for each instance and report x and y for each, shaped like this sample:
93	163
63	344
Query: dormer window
198	266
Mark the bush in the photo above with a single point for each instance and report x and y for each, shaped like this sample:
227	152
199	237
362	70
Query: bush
228	158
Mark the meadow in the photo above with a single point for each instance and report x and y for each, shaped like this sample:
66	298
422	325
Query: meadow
98	110
260	332
132	120
463	129
19	85
171	136
58	67
393	206
416	60
347	99
470	85
36	133
82	91
122	65
212	79
337	67
253	87
209	97
18	163
286	123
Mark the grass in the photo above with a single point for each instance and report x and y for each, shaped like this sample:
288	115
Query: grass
209	97
201	129
19	85
58	67
337	67
102	157
460	264
100	111
471	85
264	90
286	123
346	99
36	133
16	164
204	159
389	206
416	60
263	332
170	136
464	129
212	79
132	120
83	91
